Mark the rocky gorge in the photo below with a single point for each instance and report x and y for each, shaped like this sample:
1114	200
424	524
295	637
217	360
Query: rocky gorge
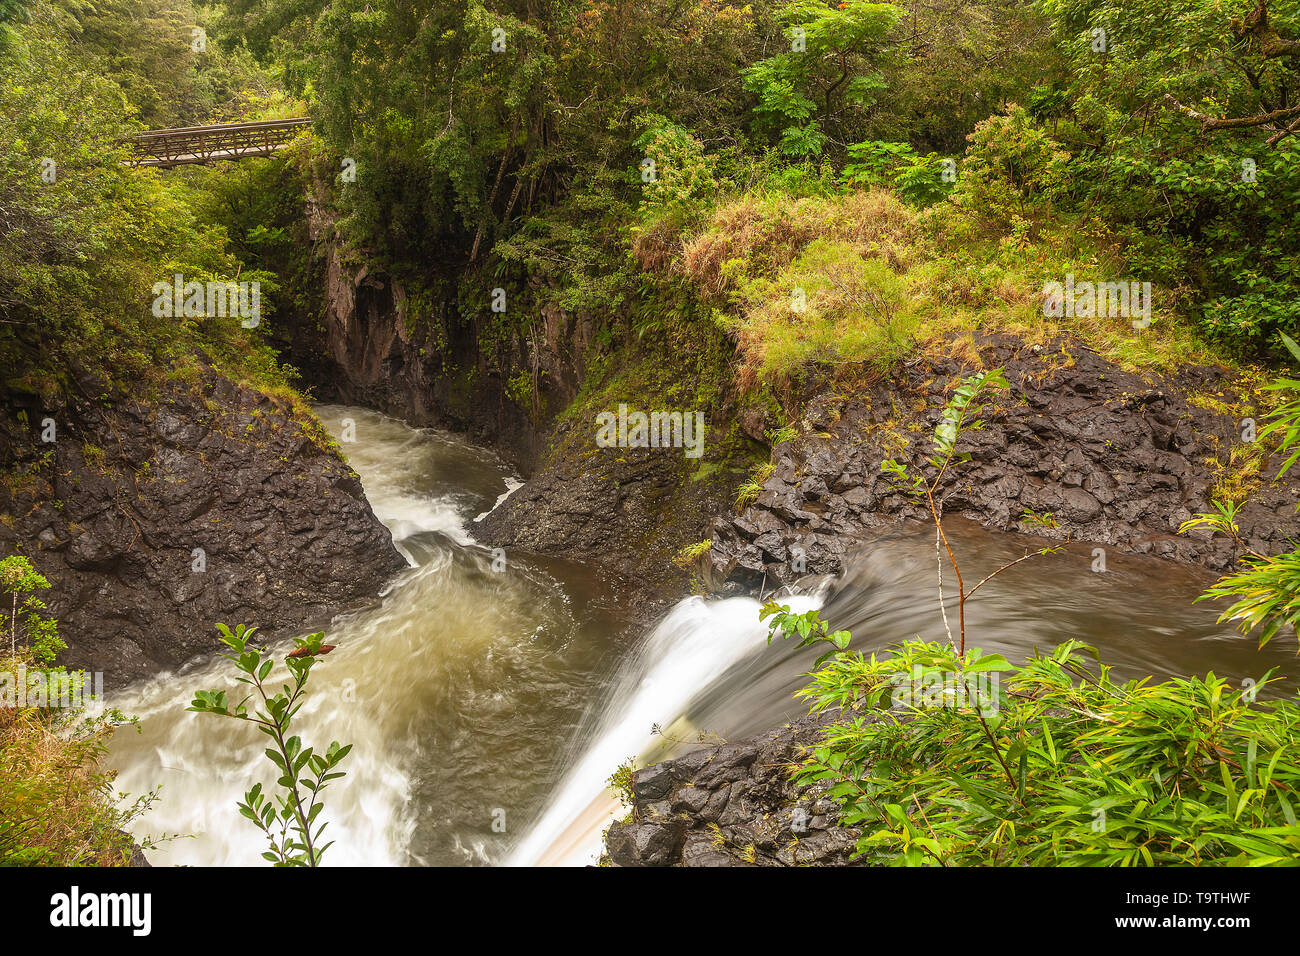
214	501
629	511
1078	450
581	371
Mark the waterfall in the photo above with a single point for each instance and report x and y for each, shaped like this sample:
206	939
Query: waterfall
489	702
691	649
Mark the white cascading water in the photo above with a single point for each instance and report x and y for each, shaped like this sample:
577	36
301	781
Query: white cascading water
692	647
476	695
462	693
370	697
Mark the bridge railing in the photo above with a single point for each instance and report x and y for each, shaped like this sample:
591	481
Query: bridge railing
204	144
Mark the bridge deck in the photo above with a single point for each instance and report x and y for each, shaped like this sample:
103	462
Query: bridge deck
206	144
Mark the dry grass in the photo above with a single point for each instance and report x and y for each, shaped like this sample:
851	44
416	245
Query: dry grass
768	234
655	246
883	281
57	806
1241	475
848	256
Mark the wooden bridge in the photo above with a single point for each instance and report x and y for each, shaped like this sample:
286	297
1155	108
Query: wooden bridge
206	144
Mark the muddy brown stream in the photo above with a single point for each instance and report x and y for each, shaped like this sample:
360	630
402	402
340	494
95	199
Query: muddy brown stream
488	697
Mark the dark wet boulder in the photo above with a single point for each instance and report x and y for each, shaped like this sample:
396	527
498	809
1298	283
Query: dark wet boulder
734	805
155	518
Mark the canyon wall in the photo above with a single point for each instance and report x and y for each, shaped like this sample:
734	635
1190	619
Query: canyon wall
1110	458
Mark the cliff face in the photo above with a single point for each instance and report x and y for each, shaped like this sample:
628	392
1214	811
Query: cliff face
153	519
627	510
1114	459
421	362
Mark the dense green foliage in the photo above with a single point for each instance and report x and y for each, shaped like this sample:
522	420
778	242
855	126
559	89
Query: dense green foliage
539	133
85	237
1182	135
530	146
1054	763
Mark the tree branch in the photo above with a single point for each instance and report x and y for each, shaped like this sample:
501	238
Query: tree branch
1237	122
1255	26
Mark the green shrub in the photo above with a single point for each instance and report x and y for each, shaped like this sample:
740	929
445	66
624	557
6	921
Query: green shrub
287	818
1012	168
682	173
24	614
1054	764
918	179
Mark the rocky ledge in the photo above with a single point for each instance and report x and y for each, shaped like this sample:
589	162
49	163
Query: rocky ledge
154	519
733	805
626	510
1114	459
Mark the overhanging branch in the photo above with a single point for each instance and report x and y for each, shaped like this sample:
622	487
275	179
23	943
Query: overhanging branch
1235	122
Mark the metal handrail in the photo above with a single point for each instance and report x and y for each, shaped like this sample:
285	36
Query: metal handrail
220	141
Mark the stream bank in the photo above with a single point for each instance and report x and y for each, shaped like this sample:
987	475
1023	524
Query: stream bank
1111	458
154	517
1078	450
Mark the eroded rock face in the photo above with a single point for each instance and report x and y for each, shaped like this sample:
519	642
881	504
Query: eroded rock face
153	520
423	363
626	510
733	805
1116	460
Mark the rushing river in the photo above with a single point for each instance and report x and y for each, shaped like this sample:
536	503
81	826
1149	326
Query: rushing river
488	700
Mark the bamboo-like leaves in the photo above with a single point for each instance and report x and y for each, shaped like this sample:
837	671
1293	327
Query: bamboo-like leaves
1091	772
